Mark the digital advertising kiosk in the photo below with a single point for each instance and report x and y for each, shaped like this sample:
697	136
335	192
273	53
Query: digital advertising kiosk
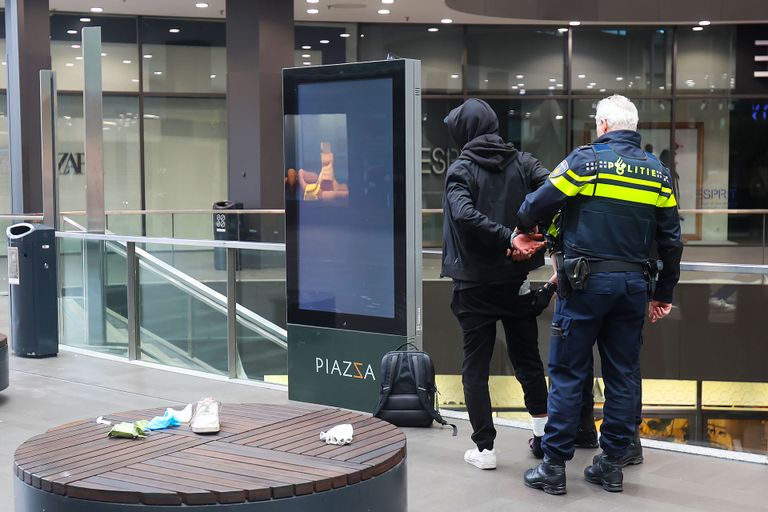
352	144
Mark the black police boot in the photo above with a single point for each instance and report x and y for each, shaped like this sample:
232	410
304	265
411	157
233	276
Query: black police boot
549	476
534	444
606	471
634	453
586	436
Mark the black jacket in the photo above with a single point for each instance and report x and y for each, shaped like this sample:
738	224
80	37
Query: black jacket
484	188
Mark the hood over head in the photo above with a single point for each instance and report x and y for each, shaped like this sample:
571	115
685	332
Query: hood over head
475	128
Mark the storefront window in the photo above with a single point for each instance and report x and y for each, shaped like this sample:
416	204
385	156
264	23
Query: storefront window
185	156
184	56
621	60
325	44
439	51
122	182
505	60
706	60
120	65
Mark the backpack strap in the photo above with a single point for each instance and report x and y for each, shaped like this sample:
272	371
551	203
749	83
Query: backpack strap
386	385
421	391
406	345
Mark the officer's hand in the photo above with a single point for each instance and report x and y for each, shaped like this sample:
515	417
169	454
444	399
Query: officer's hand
528	245
658	310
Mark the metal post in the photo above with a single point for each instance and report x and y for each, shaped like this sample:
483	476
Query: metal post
132	282
48	109
232	312
94	177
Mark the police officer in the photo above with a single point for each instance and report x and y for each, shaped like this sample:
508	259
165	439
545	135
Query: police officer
615	201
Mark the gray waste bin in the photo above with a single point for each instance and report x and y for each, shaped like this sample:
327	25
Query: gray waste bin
32	280
226	226
3	362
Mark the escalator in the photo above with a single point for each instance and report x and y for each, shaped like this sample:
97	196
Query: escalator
183	320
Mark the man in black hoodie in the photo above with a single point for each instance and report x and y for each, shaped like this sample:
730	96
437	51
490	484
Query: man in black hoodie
484	188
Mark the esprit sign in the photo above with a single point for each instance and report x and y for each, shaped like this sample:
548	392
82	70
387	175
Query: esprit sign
347	369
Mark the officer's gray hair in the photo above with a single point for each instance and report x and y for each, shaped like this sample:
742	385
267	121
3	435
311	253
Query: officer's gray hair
618	111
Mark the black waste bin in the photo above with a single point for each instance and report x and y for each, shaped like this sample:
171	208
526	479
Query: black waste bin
3	362
226	226
32	280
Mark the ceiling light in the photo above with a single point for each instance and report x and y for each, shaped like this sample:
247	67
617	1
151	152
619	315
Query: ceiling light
387	1
85	20
520	77
147	55
158	73
698	29
562	30
559	85
324	41
306	56
551	87
307	63
312	1
174	31
97	9
515	87
522	91
69	64
592	84
705	23
521	85
446	20
213	76
201	5
661	87
582	76
553	80
72	32
454	76
76	46
486	80
344	35
78	58
312	11
126	61
432	29
306	47
135	80
602	90
559	117
383	11
574	23
619	78
103	54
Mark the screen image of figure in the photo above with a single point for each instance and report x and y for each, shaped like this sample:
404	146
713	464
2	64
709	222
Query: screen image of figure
339	177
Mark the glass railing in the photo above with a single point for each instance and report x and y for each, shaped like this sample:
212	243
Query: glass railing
704	384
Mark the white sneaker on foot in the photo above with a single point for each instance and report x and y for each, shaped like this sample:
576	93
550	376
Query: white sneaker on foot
485	459
205	420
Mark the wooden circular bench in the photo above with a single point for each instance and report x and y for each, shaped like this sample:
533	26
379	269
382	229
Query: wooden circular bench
266	458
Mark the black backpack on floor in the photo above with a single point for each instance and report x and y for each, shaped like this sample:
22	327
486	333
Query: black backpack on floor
407	396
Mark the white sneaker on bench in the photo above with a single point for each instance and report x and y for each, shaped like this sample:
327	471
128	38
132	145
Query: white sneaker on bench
205	420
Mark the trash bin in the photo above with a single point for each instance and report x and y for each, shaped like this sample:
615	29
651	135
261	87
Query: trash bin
3	362
225	227
32	280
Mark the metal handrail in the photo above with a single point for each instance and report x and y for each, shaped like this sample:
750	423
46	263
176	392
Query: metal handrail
431	211
692	266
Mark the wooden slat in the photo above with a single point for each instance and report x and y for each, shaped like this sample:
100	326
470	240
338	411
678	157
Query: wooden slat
262	452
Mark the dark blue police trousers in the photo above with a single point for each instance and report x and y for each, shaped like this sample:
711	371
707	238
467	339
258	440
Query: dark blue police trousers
612	311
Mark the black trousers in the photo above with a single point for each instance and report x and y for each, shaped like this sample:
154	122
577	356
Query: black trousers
477	310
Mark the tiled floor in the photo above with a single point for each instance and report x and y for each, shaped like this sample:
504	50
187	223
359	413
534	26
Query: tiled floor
49	392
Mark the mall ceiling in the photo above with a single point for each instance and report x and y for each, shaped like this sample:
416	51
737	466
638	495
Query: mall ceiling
459	11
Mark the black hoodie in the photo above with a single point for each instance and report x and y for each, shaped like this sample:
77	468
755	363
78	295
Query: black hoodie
484	188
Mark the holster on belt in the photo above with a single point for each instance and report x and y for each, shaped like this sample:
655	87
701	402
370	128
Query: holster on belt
563	285
577	272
